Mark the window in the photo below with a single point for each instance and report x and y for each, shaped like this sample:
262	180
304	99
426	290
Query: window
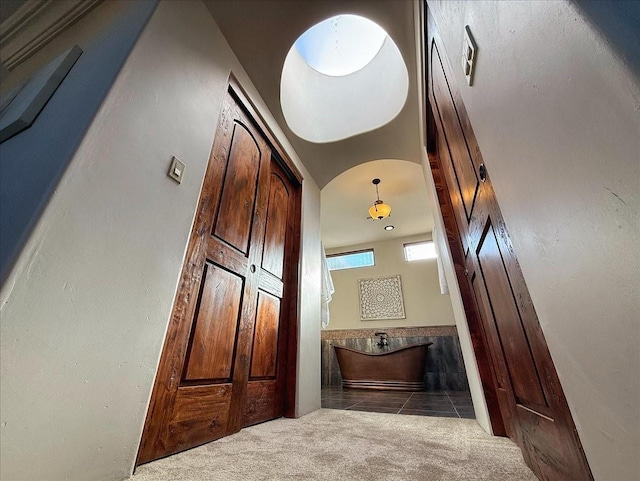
351	260
417	251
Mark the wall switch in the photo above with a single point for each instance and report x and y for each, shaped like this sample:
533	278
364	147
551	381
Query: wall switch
466	67
469	54
176	169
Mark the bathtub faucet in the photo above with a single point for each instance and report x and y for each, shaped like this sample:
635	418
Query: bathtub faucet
384	339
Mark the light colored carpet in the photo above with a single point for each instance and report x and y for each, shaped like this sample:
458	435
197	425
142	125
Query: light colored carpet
348	445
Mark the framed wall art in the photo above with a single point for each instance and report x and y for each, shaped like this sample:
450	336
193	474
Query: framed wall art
381	298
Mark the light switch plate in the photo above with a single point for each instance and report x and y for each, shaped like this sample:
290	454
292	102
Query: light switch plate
176	169
469	54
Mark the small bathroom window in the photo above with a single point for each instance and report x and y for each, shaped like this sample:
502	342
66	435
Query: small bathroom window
351	260
417	251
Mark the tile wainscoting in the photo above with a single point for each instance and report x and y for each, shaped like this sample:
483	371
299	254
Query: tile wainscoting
444	370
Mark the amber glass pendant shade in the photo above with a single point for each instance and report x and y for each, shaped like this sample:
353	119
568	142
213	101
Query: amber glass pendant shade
379	210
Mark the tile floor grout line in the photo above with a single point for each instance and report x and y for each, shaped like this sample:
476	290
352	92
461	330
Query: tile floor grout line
405	403
454	406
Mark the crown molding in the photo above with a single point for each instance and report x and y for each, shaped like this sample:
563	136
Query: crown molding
35	24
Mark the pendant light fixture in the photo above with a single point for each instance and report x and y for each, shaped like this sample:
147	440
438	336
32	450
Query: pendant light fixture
379	210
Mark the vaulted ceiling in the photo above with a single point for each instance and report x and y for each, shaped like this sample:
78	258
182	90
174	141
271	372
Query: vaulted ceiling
261	32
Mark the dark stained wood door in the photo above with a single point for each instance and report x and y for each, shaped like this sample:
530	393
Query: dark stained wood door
530	398
223	363
263	399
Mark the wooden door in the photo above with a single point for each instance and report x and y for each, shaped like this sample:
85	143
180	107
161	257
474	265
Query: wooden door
223	362
532	404
264	396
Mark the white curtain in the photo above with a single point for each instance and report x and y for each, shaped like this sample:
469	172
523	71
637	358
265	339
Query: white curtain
444	287
326	291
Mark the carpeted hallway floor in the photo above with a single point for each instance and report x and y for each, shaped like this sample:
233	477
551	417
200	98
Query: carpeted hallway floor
348	445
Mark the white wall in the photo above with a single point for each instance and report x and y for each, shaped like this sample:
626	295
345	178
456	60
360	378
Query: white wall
308	377
556	114
423	303
85	309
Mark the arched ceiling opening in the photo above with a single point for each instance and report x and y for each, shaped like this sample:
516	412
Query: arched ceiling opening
346	199
261	34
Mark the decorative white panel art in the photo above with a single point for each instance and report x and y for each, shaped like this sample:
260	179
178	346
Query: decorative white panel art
381	298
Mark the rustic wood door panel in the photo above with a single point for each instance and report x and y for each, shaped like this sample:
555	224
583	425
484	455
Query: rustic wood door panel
234	221
200	413
276	230
507	323
213	340
465	177
228	315
454	194
261	403
265	339
532	404
482	310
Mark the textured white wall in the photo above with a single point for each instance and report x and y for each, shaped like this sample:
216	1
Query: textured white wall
85	309
556	114
308	378
423	303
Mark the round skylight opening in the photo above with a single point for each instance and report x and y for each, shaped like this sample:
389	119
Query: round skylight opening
341	45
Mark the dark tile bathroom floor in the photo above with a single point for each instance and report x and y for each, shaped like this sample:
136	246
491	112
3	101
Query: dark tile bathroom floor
453	404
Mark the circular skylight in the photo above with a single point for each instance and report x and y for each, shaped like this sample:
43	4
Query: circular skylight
344	83
341	45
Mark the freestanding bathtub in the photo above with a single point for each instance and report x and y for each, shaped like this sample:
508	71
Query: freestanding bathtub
400	369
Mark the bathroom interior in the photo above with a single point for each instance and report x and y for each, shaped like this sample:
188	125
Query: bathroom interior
359	262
